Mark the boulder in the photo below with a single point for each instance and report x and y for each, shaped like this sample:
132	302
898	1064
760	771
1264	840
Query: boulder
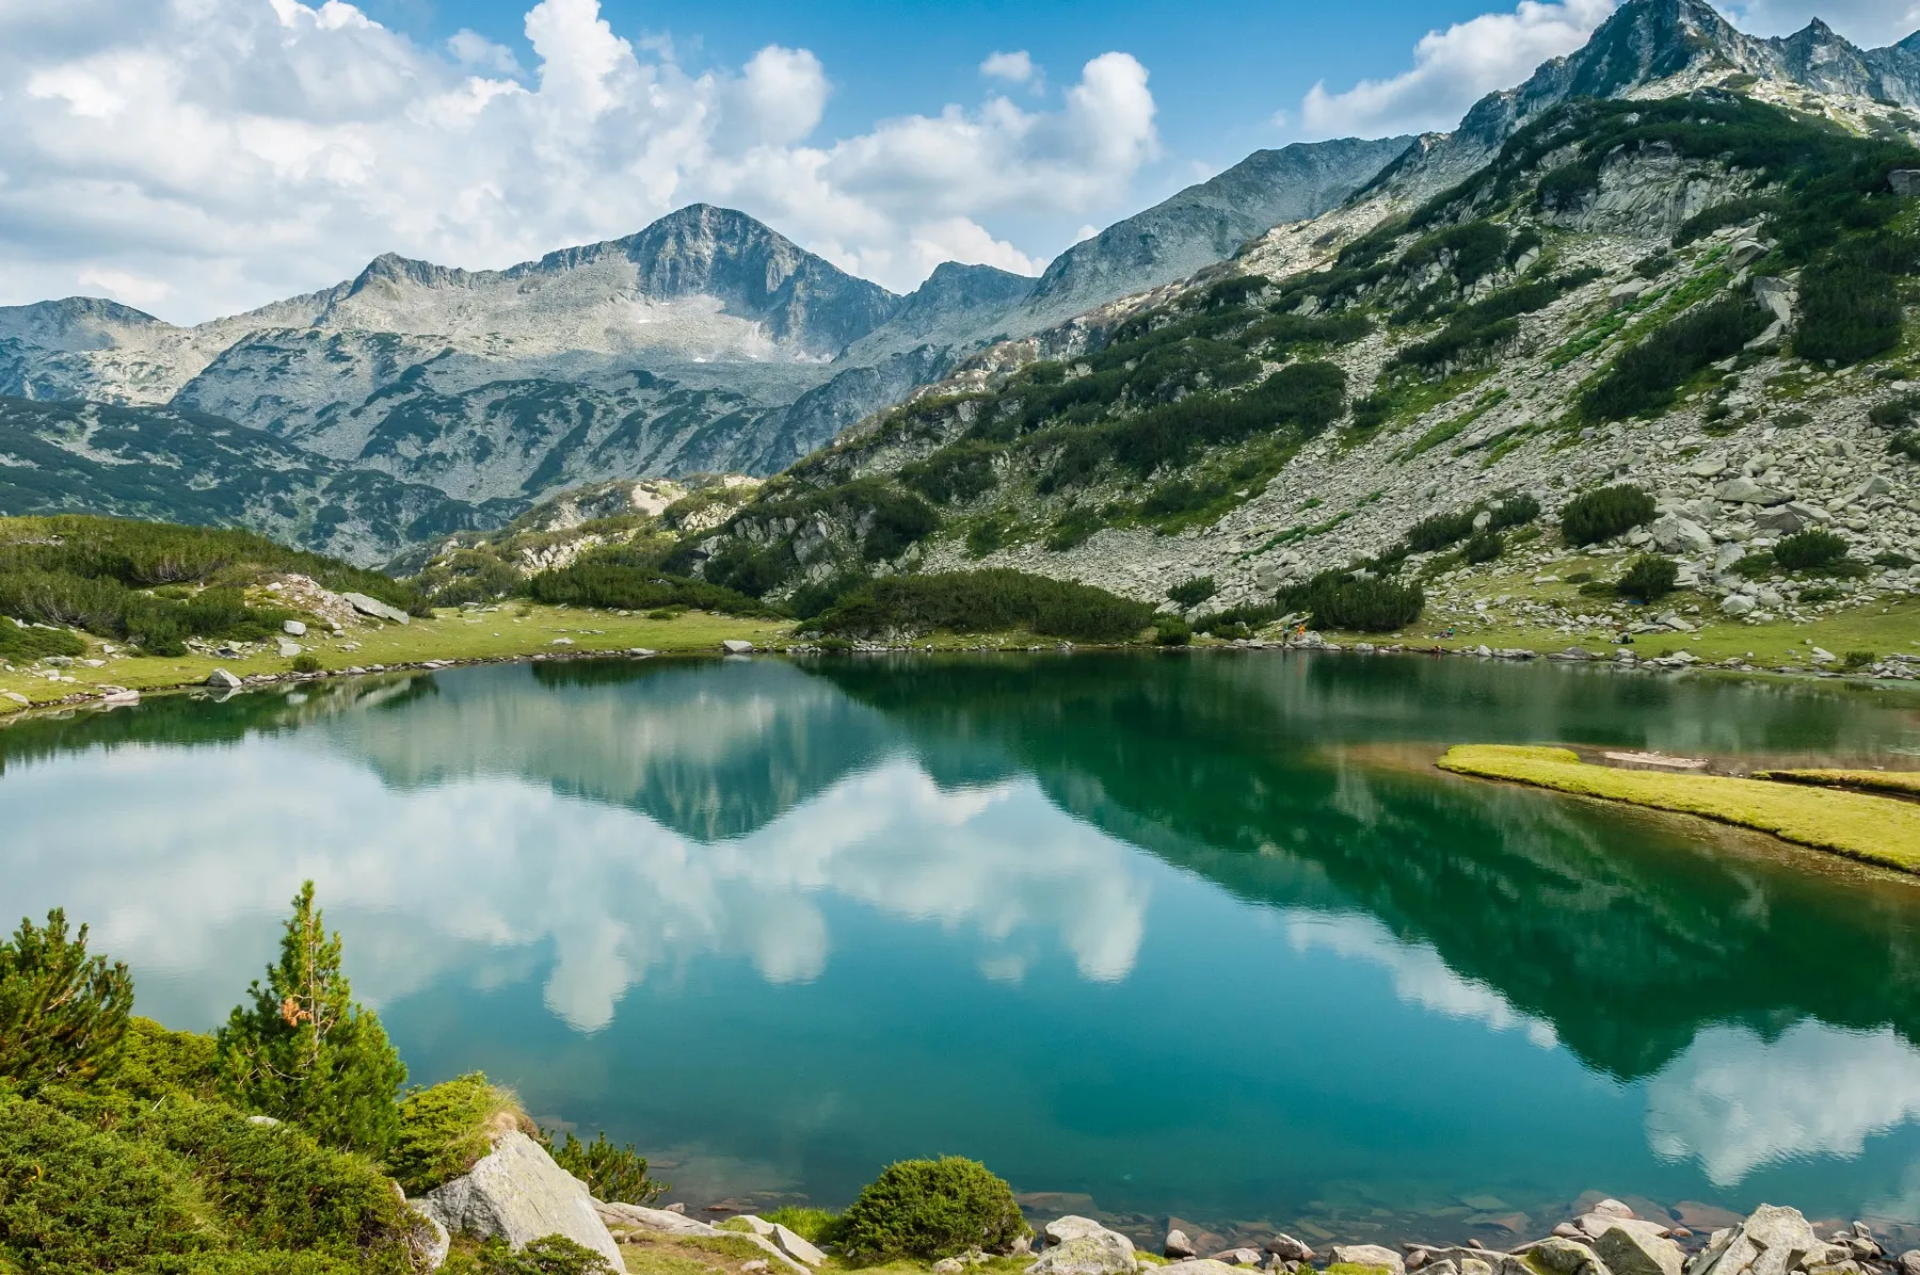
1178	1245
1081	1246
1630	1250
665	1221
1777	295
427	1240
1904	181
294	628
220	679
949	1266
1627	293
1745	253
1745	491
1909	1262
1562	1256
795	1246
1736	604
1782	520
1367	1255
376	608
1238	1257
1197	1266
1288	1249
289	649
736	646
518	1193
1772	1241
1674	534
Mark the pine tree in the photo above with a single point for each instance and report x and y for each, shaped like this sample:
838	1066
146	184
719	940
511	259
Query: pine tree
63	1014
306	1052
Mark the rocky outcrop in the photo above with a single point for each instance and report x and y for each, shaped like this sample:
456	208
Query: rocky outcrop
517	1192
1080	1246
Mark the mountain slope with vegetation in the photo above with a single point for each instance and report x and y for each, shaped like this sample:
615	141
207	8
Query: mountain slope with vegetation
1700	296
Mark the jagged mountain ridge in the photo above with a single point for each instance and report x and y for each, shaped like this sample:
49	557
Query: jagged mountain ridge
705	342
1664	47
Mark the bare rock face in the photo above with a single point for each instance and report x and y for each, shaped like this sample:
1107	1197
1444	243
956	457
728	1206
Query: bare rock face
518	1193
1081	1246
1632	1250
1368	1255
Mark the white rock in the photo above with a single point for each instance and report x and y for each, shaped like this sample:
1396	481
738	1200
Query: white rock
294	628
1736	604
1773	1241
223	680
1081	1246
736	646
795	1246
289	649
1368	1255
518	1193
376	608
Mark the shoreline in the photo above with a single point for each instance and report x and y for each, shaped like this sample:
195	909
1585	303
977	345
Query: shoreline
701	635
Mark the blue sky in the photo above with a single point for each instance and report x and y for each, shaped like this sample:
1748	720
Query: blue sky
200	157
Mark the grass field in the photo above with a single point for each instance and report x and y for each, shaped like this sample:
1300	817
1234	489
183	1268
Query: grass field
514	631
1878	830
1898	782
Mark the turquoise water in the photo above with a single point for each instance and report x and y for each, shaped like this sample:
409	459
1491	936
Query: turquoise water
1190	935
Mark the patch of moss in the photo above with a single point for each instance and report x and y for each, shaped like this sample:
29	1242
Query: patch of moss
1872	829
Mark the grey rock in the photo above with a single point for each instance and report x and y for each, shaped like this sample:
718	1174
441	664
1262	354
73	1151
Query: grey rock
1628	1250
1777	295
294	628
1081	1246
1746	491
1745	253
949	1266
223	680
1674	534
1627	293
1772	1241
795	1246
1909	1262
736	646
518	1193
1178	1245
1288	1249
1736	605
1238	1257
1368	1255
1564	1256
665	1221
1197	1266
1905	181
289	649
376	608
1781	520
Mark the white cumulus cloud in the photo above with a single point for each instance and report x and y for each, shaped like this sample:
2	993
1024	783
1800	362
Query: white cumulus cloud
1015	68
220	154
1452	69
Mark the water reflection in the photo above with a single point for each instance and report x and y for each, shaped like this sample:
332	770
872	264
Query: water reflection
1079	877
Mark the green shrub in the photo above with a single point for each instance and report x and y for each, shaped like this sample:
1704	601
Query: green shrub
306	663
1191	593
610	582
1755	565
1809	550
1898	561
1485	546
305	1051
955	473
157	1063
612	1173
1073	529
1514	511
63	1014
929	1209
1363	604
1645	378
741	568
1605	513
1848	311
550	1255
1906	444
1172	631
995	600
1819	594
1859	659
446	1129
1896	412
816	1226
984	537
22	641
1649	578
1437	531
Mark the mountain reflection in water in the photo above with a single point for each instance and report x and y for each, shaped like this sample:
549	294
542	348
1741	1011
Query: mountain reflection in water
1197	934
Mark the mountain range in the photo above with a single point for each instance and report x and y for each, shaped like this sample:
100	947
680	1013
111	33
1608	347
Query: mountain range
708	341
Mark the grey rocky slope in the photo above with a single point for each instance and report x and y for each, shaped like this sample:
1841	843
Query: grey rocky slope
1465	339
1663	47
707	342
1203	224
171	465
